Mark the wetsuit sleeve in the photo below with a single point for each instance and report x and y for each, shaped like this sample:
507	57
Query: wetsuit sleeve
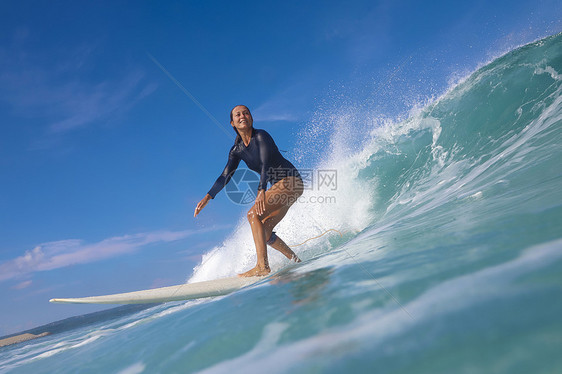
267	148
224	178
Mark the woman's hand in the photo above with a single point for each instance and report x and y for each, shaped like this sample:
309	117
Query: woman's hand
201	204
260	202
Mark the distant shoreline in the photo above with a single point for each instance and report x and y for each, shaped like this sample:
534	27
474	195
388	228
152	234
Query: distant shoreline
71	323
21	338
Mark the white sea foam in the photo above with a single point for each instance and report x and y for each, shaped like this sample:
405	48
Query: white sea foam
64	347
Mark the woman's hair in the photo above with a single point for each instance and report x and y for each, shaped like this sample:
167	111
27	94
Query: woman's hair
232	119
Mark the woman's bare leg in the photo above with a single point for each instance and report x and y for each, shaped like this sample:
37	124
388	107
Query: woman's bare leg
280	245
262	267
279	199
269	224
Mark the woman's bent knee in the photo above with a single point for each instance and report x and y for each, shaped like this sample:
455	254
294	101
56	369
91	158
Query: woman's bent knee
251	215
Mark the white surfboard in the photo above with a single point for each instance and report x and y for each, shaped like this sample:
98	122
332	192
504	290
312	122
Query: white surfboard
186	291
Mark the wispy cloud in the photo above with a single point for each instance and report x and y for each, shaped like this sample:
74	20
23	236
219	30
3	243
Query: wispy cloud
22	285
82	105
71	104
62	253
65	90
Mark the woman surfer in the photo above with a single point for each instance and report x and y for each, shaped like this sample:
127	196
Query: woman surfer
259	152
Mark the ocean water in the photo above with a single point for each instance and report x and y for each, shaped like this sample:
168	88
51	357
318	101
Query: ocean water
449	258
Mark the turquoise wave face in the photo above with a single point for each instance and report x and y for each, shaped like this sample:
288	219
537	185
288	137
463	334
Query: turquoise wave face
456	270
492	136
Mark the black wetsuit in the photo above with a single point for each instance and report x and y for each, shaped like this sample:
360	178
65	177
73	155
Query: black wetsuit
261	156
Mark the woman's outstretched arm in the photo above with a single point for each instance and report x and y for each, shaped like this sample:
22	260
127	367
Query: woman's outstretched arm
222	180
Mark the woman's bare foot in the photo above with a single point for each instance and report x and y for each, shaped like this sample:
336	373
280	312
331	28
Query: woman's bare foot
256	272
296	259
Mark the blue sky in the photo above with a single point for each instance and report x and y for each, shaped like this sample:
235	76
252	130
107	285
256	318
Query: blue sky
103	157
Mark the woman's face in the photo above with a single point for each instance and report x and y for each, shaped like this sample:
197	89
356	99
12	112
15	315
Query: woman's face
242	118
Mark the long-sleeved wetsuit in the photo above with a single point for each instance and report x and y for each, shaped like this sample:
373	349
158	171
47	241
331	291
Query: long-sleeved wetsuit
261	156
